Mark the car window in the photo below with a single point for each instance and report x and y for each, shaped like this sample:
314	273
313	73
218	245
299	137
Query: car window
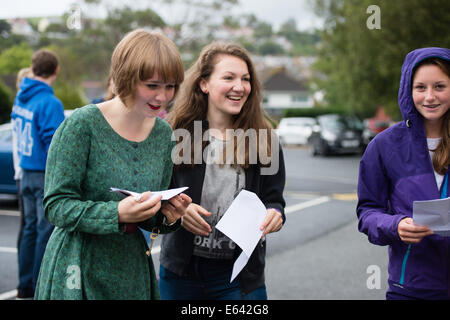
335	122
5	133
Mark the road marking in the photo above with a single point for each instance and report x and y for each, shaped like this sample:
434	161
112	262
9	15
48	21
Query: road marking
156	250
345	196
8	295
8	249
9	213
306	204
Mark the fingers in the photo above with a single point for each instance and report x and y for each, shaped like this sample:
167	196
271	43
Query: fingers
195	228
411	233
193	222
414	237
137	209
272	222
176	207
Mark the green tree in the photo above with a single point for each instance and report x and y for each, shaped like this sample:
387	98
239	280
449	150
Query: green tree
15	58
67	86
303	43
269	47
363	65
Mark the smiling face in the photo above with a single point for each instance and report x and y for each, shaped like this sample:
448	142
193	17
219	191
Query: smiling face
153	95
228	86
431	94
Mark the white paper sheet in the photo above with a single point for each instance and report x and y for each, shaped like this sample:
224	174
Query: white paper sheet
166	194
434	214
241	223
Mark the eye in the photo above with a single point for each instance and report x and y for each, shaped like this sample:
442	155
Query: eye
152	86
419	87
170	87
246	79
441	86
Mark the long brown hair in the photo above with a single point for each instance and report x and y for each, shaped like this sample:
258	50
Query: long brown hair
441	157
191	104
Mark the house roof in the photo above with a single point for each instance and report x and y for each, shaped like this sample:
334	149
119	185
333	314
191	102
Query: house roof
279	80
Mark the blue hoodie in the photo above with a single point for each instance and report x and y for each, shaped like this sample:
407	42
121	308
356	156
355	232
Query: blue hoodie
36	115
395	171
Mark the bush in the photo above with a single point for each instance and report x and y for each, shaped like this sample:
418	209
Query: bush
6	102
70	96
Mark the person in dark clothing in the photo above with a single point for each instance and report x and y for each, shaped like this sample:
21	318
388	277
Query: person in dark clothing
221	100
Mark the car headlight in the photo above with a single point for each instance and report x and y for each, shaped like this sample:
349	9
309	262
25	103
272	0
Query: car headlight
329	136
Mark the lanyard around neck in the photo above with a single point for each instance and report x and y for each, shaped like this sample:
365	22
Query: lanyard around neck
444	187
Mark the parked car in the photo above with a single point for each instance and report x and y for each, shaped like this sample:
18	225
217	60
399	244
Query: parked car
334	134
372	127
7	182
295	130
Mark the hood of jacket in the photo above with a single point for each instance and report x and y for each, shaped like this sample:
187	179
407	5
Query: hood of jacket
405	100
30	88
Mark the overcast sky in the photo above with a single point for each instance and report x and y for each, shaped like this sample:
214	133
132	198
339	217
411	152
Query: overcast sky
273	11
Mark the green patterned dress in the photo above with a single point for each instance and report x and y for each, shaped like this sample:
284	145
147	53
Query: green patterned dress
88	256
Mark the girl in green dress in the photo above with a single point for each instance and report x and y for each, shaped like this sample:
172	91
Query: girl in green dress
96	250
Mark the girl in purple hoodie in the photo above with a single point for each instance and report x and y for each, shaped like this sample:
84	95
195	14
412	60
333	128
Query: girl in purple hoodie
406	163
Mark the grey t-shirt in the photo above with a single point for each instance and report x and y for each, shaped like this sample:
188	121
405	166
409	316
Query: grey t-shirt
221	185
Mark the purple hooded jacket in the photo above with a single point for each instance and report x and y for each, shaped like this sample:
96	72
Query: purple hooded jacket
394	171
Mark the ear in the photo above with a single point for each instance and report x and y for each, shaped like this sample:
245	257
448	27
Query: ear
203	86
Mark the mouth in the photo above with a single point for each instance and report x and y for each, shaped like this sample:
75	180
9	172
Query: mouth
235	98
153	107
431	106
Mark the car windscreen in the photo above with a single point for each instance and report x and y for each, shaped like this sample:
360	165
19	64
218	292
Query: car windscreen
339	123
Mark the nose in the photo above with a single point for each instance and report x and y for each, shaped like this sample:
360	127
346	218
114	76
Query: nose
238	86
162	95
429	96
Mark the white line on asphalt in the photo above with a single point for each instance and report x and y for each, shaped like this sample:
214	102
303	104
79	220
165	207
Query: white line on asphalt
8	249
9	213
156	249
306	204
8	295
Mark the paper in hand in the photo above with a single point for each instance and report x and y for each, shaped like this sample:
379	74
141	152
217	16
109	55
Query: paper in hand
241	223
166	194
435	214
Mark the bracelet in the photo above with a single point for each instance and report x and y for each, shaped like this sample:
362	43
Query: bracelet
168	224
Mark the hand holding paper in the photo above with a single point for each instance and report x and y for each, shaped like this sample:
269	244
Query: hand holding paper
434	214
147	204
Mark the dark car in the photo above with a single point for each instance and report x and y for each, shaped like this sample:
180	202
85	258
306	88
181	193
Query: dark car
7	182
336	134
372	127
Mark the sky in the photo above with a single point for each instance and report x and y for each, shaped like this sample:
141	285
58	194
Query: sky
273	11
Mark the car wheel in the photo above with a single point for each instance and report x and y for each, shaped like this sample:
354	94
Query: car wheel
313	149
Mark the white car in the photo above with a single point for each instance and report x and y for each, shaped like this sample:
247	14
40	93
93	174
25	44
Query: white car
295	130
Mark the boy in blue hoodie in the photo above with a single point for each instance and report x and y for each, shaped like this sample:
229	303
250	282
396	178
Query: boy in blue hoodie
36	115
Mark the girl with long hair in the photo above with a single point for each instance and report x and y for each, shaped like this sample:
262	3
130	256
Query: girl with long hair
225	144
